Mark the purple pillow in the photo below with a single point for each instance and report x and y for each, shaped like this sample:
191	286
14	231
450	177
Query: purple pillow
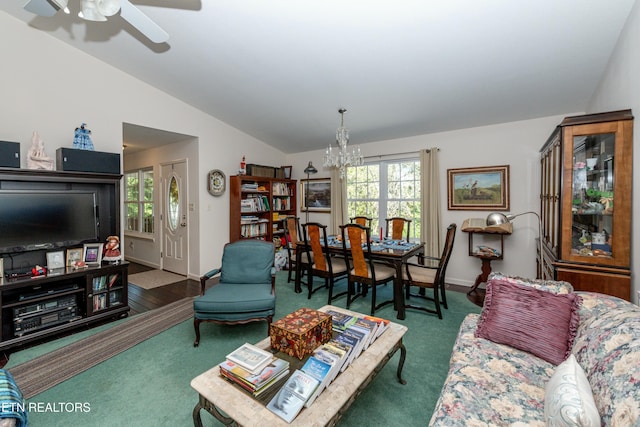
530	319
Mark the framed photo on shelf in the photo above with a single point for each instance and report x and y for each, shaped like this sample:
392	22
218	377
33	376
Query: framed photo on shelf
55	260
478	189
92	253
315	194
287	171
73	255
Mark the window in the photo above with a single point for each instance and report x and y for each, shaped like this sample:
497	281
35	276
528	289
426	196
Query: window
139	201
385	189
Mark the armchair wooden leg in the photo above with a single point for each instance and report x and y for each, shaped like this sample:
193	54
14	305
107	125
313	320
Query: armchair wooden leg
196	325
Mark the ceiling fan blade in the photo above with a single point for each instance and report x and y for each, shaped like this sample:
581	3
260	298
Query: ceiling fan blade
142	22
41	7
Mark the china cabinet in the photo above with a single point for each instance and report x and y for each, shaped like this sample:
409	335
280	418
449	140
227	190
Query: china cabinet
586	178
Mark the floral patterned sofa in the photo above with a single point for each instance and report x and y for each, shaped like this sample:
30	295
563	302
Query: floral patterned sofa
491	384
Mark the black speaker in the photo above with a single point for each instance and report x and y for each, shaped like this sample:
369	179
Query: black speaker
73	159
9	154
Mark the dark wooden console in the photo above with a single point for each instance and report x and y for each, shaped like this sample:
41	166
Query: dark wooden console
32	308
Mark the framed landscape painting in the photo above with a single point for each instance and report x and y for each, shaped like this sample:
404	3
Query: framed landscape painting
315	194
482	188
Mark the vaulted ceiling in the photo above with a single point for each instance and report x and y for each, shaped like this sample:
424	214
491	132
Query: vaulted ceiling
279	70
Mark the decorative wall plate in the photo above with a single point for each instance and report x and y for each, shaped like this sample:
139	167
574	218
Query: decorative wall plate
216	182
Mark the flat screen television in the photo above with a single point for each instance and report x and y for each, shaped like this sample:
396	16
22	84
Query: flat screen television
41	219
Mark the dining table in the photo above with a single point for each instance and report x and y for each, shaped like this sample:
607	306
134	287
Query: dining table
393	252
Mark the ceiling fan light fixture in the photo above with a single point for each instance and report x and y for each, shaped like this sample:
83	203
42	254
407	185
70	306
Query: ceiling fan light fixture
90	11
108	7
61	4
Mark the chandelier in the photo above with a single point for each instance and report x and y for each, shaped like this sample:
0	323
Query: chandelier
342	158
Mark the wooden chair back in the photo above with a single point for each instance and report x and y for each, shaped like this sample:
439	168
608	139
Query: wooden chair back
362	220
358	238
315	236
396	226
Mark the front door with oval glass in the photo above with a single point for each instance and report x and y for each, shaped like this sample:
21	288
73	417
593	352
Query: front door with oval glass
175	218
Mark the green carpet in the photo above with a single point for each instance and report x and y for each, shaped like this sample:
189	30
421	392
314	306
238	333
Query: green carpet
148	385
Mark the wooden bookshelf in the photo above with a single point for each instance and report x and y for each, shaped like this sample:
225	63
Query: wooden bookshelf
258	205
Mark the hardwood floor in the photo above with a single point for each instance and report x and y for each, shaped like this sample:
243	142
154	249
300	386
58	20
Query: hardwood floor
141	300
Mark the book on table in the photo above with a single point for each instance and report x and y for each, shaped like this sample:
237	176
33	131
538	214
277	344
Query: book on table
340	350
341	321
319	368
291	397
359	337
383	324
366	334
255	382
352	342
480	224
371	326
250	357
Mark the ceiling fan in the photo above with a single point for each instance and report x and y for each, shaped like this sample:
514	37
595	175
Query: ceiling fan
99	10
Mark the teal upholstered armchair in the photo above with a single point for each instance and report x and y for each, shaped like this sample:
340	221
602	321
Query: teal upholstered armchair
246	289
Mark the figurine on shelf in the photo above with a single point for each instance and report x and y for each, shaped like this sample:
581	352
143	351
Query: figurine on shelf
38	158
243	167
112	249
82	138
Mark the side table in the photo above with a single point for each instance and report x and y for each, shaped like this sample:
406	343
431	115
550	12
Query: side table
485	257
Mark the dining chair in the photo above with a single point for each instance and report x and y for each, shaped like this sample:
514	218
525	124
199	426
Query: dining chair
322	263
356	244
396	226
292	232
429	277
362	220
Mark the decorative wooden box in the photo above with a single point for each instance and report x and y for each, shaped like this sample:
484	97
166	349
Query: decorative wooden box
299	333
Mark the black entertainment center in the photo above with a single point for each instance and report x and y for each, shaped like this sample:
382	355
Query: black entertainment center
44	211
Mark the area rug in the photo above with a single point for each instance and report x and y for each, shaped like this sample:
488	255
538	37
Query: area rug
155	278
52	368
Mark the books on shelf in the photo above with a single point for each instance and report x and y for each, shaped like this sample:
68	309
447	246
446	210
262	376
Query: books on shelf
250	357
291	397
255	203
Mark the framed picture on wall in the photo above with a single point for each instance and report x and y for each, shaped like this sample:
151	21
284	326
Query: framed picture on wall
315	195
92	253
482	188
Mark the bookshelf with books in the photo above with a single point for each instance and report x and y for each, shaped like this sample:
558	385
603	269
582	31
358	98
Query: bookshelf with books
258	205
107	291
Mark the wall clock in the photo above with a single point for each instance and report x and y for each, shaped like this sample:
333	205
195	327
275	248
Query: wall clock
216	182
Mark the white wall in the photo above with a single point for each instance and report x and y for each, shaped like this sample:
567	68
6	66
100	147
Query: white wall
516	144
51	87
619	89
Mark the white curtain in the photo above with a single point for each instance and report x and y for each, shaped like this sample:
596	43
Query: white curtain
338	201
431	230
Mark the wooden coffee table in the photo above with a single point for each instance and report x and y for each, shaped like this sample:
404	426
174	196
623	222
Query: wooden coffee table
232	406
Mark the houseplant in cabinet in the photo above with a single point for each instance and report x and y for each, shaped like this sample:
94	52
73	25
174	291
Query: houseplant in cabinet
586	202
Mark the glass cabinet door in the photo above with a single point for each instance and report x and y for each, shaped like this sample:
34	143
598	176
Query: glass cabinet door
593	195
597	168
